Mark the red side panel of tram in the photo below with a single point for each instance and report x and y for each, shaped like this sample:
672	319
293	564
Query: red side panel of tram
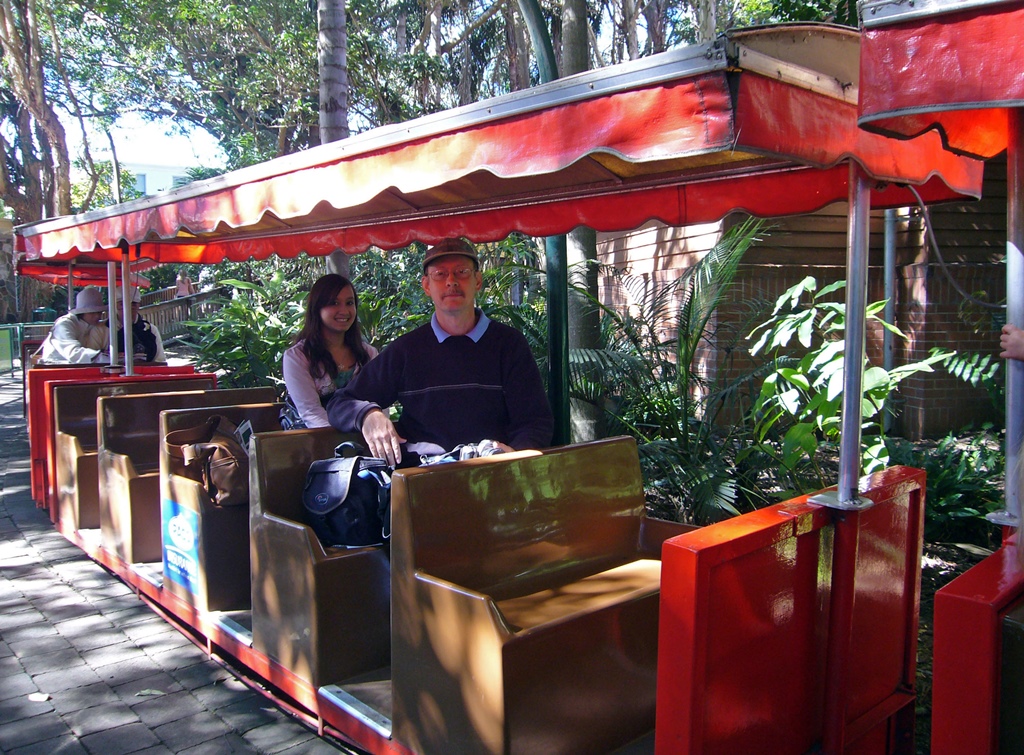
38	411
967	663
795	625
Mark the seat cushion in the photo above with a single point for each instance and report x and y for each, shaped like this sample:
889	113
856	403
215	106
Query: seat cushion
623	583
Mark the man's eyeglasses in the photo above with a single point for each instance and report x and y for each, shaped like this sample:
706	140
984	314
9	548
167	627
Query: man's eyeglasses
460	273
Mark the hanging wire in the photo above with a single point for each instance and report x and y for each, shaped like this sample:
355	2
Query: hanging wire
942	263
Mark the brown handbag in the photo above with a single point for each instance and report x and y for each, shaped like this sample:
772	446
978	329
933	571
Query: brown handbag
213	457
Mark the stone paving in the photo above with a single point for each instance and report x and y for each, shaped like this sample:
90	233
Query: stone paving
87	667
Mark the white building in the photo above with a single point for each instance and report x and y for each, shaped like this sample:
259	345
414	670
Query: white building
151	178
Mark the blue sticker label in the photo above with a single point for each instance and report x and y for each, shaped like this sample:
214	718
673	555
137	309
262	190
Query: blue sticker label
181	545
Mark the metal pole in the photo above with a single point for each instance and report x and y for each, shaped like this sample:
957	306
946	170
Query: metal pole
555	251
111	312
1014	308
126	314
890	302
853	356
558	335
857	236
71	284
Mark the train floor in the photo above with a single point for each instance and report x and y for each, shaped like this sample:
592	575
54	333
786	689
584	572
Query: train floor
88	667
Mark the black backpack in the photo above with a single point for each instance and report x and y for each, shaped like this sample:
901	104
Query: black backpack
348	500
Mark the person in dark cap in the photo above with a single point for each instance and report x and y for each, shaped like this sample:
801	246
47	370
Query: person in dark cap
78	337
147	343
462	378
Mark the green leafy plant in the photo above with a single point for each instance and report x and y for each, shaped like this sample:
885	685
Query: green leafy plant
650	384
964	474
245	340
981	370
798	409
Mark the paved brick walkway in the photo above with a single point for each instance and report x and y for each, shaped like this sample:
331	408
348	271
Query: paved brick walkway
87	667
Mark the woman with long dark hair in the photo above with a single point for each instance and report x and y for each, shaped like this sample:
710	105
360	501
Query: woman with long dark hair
328	350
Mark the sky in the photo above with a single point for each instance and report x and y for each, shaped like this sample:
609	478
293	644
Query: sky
140	141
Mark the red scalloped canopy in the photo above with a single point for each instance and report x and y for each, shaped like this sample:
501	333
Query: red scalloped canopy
955	72
83	272
687	148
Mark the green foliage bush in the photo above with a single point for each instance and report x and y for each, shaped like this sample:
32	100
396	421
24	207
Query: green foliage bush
964	473
798	408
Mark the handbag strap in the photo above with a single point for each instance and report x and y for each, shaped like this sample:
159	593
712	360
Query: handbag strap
177	440
191	443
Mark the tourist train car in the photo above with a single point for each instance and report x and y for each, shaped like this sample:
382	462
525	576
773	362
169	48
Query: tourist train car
526	602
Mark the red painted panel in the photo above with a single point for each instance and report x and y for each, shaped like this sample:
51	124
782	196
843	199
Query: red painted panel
41	428
967	648
796	625
37	412
955	72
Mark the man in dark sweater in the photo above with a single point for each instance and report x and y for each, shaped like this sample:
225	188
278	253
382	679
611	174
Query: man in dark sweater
462	378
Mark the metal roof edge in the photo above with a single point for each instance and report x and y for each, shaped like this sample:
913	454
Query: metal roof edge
654	69
874	13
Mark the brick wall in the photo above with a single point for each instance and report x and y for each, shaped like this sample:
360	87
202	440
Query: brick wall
929	309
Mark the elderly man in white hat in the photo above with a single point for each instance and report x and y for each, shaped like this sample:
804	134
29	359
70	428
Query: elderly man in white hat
78	337
147	344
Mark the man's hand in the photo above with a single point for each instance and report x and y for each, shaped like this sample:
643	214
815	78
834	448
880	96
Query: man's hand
382	440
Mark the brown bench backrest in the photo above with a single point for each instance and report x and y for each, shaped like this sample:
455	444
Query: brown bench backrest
511	526
264	416
75	405
129	425
280	461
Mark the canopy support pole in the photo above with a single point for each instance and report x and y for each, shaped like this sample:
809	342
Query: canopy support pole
126	314
111	312
71	284
890	305
558	335
1010	516
857	237
556	253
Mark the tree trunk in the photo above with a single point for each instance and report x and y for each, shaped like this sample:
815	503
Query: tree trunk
654	13
707	20
332	49
585	419
21	47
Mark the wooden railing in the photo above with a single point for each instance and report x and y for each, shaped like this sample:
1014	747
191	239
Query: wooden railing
169	314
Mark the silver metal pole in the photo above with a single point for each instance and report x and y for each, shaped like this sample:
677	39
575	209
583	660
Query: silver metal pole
857	236
890	301
71	284
126	314
112	312
1014	308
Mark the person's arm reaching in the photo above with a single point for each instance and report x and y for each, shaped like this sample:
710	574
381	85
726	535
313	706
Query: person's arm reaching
1012	342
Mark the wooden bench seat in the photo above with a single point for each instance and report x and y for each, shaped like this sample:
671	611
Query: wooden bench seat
525	592
633	581
39	411
322	613
76	458
129	462
210	570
